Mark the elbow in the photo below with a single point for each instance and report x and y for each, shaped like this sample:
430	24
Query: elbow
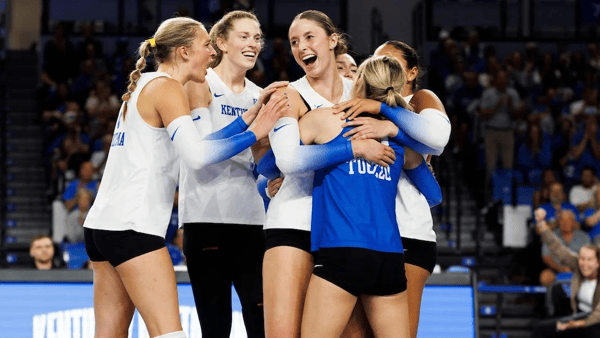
193	163
286	166
435	200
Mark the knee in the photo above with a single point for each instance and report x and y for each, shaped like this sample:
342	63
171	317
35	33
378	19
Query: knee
547	277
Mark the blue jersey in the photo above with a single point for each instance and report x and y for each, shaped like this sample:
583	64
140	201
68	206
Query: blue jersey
354	204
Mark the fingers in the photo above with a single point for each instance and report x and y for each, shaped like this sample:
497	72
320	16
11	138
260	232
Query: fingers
340	107
354	131
356	122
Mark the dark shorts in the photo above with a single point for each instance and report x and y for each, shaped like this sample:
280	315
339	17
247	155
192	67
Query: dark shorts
362	271
288	237
118	247
420	253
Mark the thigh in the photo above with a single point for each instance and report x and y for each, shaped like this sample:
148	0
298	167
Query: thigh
286	274
150	282
388	315
327	310
416	279
358	324
113	309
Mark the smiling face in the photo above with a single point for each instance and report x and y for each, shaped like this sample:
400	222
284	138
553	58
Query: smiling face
588	262
243	43
312	48
346	66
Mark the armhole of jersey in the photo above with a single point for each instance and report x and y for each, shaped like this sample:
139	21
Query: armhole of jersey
305	103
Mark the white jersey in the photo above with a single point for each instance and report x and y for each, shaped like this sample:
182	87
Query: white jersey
224	192
291	208
138	186
412	209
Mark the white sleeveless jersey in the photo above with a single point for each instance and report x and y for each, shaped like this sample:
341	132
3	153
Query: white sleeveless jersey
291	207
412	210
224	192
138	186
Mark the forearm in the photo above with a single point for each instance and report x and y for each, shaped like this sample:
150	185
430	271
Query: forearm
267	166
198	153
236	127
577	151
292	158
423	179
403	139
430	127
564	255
262	185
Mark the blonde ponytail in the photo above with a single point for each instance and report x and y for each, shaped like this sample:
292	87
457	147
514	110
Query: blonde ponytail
136	74
381	78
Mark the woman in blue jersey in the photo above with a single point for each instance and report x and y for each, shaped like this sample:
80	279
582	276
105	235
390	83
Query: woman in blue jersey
412	208
125	227
220	209
355	234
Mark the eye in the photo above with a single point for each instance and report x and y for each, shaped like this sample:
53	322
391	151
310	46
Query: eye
308	37
244	37
340	67
293	43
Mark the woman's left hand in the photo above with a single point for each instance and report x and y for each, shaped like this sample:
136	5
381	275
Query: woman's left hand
367	127
569	325
356	106
265	94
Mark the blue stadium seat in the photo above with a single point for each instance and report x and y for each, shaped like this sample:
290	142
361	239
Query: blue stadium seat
534	177
502	183
458	268
74	255
525	194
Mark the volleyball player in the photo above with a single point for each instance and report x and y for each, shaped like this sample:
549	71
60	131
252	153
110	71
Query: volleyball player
346	66
287	264
220	209
125	228
412	208
355	235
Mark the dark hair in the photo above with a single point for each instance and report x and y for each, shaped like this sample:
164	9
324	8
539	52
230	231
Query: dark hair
412	60
590	168
37	238
325	22
222	28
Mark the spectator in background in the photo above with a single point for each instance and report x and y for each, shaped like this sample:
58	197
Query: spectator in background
465	98
561	142
543	111
591	219
60	59
41	249
74	220
100	156
83	84
585	288
85	181
473	49
500	106
88	39
571	237
101	105
588	105
585	148
557	203
534	153
583	196
542	196
594	60
74	146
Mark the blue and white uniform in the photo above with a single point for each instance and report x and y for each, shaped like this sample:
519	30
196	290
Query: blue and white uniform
223	192
354	204
291	207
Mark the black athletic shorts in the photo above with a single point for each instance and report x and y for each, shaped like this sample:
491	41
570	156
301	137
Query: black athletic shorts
420	253
288	237
118	247
362	271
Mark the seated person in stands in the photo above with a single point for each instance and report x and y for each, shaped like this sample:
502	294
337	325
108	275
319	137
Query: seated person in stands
582	196
585	289
75	218
535	152
85	181
543	195
591	220
571	237
41	249
585	148
557	202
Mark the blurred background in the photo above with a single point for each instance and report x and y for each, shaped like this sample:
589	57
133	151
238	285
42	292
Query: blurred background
64	66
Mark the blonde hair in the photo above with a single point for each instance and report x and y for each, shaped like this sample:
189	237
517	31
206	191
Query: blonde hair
381	78
171	33
221	31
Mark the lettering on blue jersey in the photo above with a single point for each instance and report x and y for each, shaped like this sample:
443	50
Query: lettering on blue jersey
232	111
362	167
217	95
118	139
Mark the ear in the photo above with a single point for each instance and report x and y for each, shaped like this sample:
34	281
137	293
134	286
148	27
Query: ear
222	45
411	75
183	53
333	40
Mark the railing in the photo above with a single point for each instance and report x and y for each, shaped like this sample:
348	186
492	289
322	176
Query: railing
2	130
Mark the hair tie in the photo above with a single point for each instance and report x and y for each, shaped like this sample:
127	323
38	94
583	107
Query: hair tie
388	89
152	42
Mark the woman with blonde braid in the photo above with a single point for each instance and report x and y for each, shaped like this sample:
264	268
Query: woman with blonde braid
125	228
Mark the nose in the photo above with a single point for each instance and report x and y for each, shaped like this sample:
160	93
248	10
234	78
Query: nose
302	44
213	53
348	74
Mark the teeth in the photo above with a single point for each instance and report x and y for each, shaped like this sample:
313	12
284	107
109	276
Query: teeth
251	54
308	56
